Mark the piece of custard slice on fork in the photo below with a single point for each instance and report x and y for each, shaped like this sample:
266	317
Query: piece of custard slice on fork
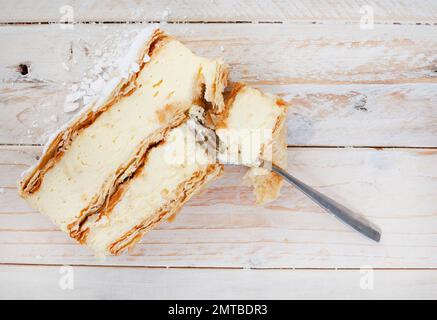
251	128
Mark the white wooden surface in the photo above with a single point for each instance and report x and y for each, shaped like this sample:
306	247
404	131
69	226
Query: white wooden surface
372	93
150	283
424	11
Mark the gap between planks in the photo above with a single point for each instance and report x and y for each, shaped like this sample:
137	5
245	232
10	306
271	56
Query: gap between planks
210	22
296	146
152	22
213	268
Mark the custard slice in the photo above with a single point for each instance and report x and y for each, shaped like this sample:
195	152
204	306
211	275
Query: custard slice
95	155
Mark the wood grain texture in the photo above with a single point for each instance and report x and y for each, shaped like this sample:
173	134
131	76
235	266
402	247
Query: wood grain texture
221	228
322	54
423	11
343	115
378	87
42	282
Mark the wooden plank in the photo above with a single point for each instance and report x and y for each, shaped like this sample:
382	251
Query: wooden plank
327	72
395	188
258	53
423	11
366	115
43	282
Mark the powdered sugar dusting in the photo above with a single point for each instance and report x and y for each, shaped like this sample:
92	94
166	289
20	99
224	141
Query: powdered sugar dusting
109	87
117	57
129	63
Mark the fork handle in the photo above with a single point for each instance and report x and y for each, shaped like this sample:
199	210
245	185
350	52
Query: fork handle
358	222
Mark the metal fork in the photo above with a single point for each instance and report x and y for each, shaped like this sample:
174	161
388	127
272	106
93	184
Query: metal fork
350	218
